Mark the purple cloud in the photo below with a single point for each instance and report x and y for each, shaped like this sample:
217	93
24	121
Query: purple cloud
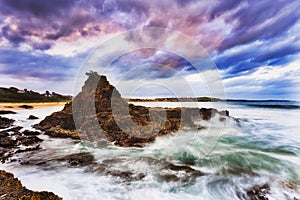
241	36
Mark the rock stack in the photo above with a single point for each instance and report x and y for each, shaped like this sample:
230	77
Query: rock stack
99	111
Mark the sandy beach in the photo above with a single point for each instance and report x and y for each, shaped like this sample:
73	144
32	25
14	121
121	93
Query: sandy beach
15	106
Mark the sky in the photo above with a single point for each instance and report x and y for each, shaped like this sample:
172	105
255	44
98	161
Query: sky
253	47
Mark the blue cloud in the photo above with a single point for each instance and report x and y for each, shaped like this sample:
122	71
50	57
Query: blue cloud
24	64
247	58
261	20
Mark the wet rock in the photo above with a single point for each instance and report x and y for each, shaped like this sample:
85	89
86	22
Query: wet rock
13	131
79	159
32	117
98	168
113	161
30	133
184	168
37	147
11	189
28	140
169	178
113	118
26	106
5	122
5	112
107	168
6	142
12	142
207	113
39	163
179	173
257	192
83	159
128	176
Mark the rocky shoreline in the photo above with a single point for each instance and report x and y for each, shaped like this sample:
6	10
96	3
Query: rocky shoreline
15	141
119	122
23	146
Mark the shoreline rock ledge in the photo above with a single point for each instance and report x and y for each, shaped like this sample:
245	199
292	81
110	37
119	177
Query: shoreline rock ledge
99	112
11	188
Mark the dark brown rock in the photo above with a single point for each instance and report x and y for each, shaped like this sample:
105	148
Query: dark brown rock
12	141
185	168
128	176
32	117
5	112
12	189
6	141
169	173
5	122
28	140
26	106
79	159
13	130
257	192
29	133
37	147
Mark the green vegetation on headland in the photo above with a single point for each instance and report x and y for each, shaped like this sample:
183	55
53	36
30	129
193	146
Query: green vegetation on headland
15	95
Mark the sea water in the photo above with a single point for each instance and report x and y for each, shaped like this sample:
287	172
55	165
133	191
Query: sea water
263	147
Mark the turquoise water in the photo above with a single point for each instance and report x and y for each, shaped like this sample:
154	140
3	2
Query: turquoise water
263	148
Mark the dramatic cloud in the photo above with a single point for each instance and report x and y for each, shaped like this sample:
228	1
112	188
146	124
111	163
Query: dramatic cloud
49	39
24	65
261	20
150	64
246	58
281	82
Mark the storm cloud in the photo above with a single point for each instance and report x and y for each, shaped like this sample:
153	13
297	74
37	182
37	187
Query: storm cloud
240	36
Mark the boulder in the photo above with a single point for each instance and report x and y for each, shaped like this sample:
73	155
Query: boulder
32	117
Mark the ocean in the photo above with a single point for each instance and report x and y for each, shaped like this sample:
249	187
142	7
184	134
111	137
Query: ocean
258	152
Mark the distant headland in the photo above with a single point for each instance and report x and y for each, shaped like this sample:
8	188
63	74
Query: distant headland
15	95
